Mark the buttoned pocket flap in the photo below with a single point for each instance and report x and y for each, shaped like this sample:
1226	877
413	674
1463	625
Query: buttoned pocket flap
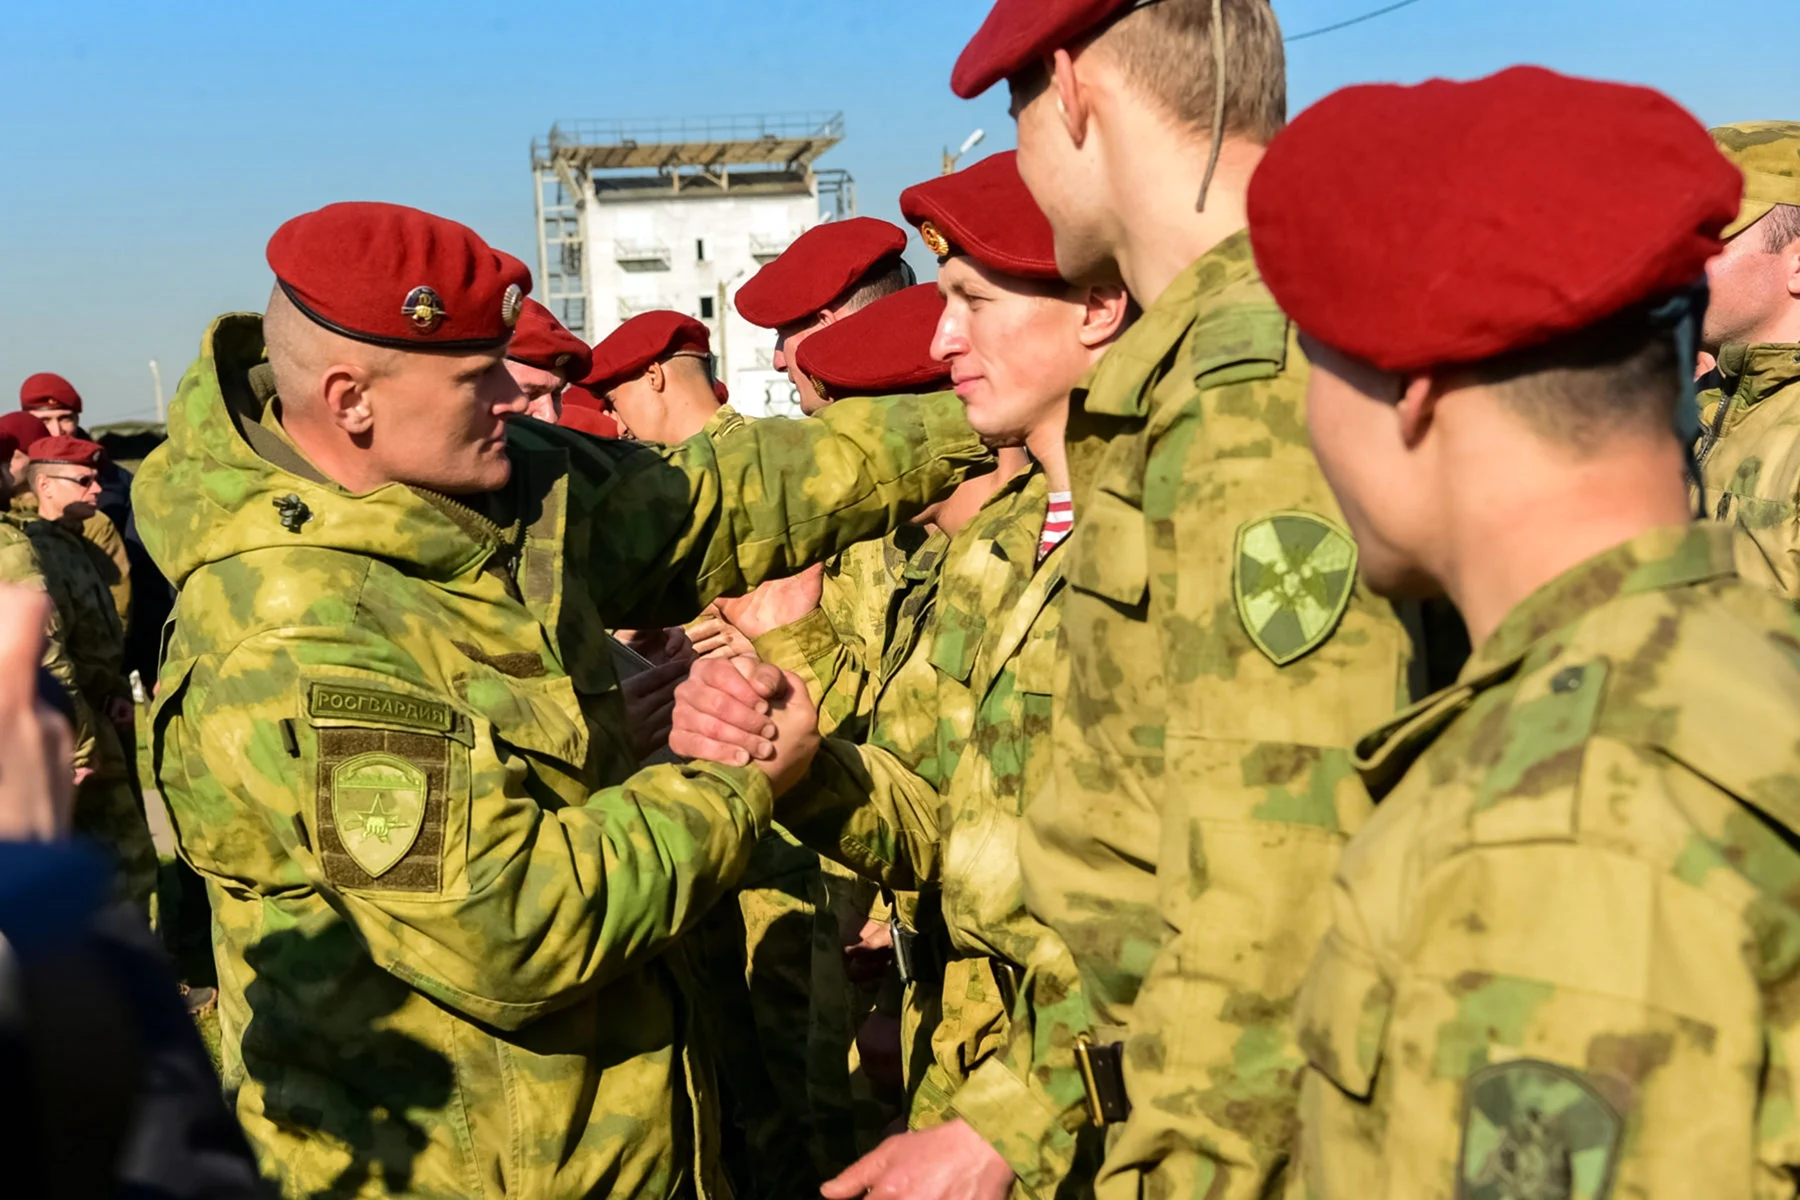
1111	559
1342	1016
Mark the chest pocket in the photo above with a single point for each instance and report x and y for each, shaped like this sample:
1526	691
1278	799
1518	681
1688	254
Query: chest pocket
1036	672
956	642
1109	554
1342	1017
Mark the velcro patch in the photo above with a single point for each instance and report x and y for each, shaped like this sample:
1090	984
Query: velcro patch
1294	575
1536	1129
351	702
380	809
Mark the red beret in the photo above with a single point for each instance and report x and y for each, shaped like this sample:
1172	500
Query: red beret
395	276
1018	33
985	212
589	421
1447	223
23	429
822	264
75	451
540	340
883	350
45	390
721	391
647	337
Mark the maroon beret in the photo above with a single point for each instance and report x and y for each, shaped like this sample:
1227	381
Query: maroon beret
23	429
75	451
1447	223
1018	33
45	390
721	391
540	340
822	264
398	277
985	212
647	337
589	420
883	350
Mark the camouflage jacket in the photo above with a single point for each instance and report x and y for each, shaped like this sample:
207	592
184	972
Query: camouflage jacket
1562	950
934	801
1220	657
19	567
1750	459
105	548
873	599
92	635
390	736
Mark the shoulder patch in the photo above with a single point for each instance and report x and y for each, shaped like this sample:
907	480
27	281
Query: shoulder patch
1534	1129
352	702
381	809
1292	581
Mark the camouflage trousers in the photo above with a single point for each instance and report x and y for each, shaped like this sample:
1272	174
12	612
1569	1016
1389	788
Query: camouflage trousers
111	812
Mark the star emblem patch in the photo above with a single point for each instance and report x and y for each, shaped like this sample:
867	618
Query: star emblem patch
378	805
1293	578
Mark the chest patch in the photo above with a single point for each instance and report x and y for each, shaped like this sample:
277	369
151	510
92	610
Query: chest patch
381	808
1292	582
1536	1131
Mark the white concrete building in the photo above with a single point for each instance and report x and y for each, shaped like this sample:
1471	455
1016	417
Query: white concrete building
677	214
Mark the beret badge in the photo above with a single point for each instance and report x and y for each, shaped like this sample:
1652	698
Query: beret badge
424	309
934	240
512	302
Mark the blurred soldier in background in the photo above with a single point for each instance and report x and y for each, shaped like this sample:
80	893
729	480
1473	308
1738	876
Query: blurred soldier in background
655	374
544	358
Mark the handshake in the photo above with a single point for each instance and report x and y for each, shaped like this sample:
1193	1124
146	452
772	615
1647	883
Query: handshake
741	712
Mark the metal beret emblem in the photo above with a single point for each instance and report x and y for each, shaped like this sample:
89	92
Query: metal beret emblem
512	302
821	389
423	309
934	240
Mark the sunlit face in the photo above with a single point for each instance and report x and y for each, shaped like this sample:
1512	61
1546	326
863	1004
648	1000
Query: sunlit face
542	390
439	420
1013	346
1751	289
61	422
66	490
1065	182
1353	418
787	341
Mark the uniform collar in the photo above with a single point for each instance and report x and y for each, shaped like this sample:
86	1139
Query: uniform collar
1656	560
1750	374
1119	384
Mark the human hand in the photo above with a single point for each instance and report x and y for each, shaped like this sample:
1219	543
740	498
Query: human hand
740	711
37	792
950	1162
650	705
867	959
715	637
776	603
659	645
119	712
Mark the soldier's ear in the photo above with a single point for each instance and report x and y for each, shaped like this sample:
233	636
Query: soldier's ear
656	375
346	400
1072	104
1417	406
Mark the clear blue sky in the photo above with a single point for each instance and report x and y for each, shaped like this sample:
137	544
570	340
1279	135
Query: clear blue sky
148	150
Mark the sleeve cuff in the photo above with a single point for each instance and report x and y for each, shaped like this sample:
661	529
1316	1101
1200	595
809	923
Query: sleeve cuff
797	646
1017	1123
748	785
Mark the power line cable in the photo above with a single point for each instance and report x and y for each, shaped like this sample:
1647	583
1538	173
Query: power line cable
1368	16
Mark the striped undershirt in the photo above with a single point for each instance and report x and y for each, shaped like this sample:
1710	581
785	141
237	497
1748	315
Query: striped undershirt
1057	522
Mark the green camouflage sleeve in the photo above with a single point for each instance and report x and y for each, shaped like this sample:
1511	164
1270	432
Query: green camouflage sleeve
713	518
423	831
19	567
833	671
865	808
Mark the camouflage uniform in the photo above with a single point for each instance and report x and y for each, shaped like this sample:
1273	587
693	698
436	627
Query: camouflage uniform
19	567
947	818
1622	742
391	738
108	807
105	549
1220	659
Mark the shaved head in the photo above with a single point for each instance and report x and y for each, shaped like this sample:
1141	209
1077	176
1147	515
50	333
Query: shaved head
301	350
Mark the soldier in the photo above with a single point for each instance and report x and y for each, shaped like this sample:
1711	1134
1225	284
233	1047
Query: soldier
933	801
65	477
1750	446
544	358
21	429
1557	964
655	374
1220	655
389	734
54	401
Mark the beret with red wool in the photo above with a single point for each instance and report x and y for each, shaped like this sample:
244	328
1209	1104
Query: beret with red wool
45	390
985	212
628	350
1018	33
75	451
590	421
883	350
23	429
398	277
1447	223
821	265
540	340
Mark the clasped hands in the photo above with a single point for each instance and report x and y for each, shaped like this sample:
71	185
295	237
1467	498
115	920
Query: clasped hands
742	712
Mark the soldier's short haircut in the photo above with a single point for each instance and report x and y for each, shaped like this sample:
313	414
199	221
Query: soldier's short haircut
298	349
1166	51
1579	390
882	280
1781	227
